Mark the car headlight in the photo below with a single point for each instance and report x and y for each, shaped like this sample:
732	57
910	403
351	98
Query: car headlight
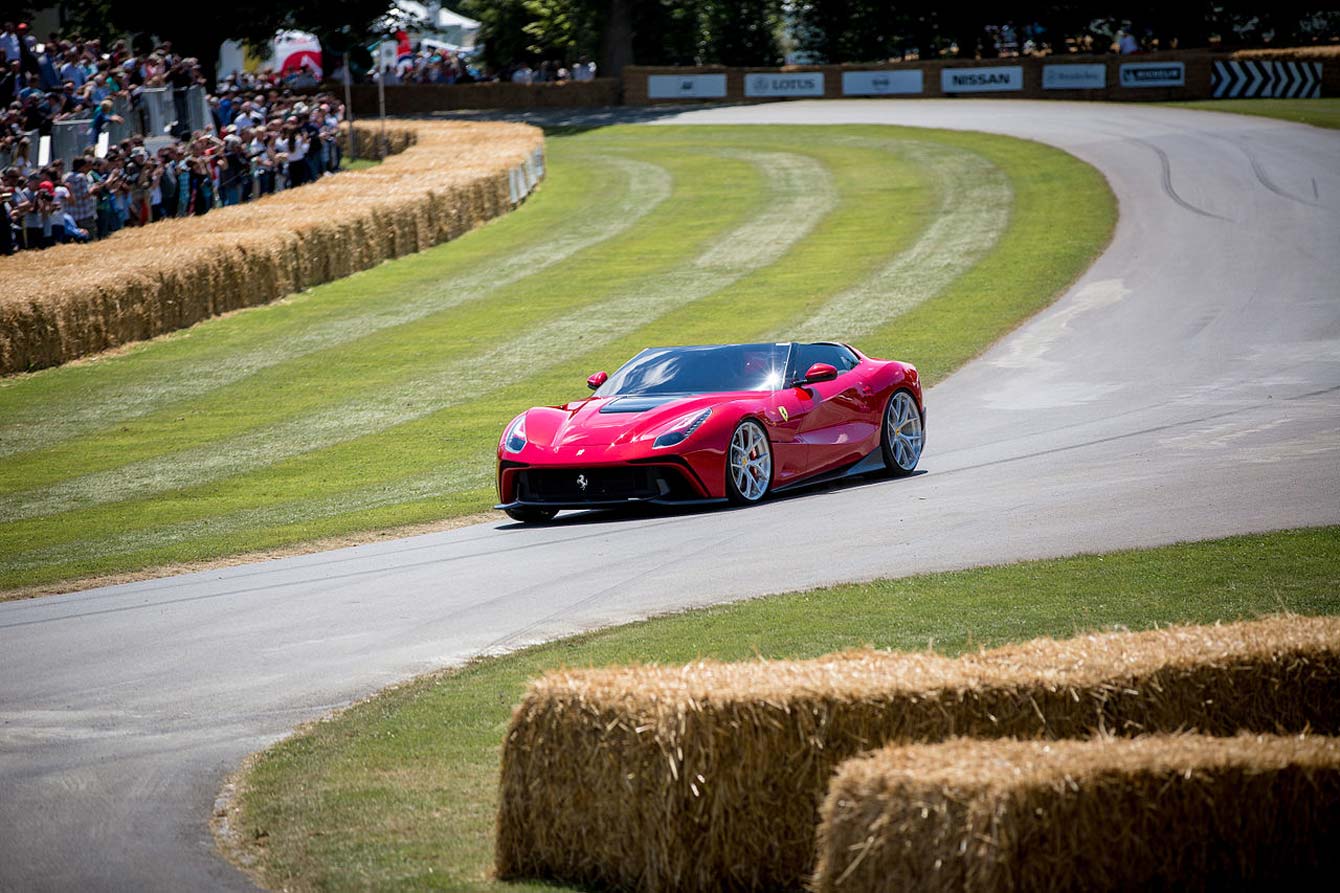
515	438
681	431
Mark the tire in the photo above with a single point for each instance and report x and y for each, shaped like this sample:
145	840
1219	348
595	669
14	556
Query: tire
903	434
529	514
748	464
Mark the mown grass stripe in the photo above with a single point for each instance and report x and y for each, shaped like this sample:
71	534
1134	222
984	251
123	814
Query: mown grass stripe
974	212
800	191
459	477
637	188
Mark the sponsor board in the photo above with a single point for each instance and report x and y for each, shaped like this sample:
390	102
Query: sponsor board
997	78
784	83
1074	77
1153	74
881	83
686	86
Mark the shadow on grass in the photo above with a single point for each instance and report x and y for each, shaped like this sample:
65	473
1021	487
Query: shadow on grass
573	121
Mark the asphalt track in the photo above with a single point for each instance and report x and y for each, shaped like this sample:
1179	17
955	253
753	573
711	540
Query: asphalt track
1187	387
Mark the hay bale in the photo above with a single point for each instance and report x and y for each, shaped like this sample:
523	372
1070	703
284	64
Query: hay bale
709	776
77	300
1182	812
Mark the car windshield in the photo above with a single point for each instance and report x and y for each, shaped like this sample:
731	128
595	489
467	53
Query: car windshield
700	370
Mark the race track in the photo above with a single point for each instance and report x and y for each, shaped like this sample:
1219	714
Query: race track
1188	386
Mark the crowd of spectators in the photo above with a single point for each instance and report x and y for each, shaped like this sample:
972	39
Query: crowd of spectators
437	65
260	138
549	72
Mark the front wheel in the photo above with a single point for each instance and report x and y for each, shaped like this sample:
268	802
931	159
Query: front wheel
903	434
529	514
748	464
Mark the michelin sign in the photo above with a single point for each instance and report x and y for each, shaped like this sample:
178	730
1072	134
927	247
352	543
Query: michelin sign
686	86
1153	74
993	79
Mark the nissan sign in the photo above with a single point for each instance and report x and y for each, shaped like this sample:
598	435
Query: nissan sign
1153	74
686	86
997	78
881	83
799	83
1074	77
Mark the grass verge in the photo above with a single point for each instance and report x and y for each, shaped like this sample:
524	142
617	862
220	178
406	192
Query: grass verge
401	790
356	406
1317	112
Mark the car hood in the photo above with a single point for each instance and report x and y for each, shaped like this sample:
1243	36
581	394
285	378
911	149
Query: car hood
612	421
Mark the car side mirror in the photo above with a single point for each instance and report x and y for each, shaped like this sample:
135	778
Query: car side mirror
597	380
817	373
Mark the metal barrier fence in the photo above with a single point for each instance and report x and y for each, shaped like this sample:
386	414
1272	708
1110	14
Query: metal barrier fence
70	137
198	116
158	113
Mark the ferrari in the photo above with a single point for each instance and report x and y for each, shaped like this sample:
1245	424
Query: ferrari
713	423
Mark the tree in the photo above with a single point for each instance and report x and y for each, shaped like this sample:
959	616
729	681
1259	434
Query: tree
199	31
741	33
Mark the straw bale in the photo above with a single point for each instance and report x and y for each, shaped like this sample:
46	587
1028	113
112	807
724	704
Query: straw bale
1172	812
75	300
709	776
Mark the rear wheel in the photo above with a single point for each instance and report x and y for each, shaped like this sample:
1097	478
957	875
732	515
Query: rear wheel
529	514
903	434
748	464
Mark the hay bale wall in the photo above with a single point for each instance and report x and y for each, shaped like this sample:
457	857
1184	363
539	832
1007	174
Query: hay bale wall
75	300
1182	812
709	776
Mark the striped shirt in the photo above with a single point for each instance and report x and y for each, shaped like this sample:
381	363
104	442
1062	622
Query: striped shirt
82	204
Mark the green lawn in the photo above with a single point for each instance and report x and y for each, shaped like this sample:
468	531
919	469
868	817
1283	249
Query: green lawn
1317	112
359	164
376	401
401	791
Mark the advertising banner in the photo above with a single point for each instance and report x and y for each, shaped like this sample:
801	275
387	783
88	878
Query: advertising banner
686	86
790	83
1153	74
1074	77
996	79
881	83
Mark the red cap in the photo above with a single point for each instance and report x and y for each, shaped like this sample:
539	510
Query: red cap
46	186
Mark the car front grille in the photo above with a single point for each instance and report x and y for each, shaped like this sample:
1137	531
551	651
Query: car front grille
578	485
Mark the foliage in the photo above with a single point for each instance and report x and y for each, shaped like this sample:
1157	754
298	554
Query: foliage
658	32
338	23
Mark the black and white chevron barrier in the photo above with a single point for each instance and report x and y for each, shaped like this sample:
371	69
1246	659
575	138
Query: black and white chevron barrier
1256	78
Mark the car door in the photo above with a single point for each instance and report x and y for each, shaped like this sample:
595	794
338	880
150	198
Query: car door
836	421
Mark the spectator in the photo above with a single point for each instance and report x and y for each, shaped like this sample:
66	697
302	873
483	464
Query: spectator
83	206
101	118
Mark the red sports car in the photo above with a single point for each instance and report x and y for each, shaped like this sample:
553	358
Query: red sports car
714	423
